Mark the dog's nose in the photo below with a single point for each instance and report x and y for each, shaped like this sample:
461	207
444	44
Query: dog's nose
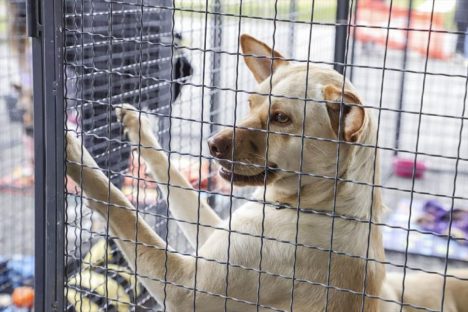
220	147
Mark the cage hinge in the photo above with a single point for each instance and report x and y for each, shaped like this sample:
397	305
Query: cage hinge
33	24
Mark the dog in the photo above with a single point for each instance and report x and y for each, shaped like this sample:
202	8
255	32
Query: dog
423	290
282	250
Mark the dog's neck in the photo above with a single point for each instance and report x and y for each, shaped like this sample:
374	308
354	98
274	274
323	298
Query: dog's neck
353	194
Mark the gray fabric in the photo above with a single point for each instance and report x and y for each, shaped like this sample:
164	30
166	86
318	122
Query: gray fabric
461	12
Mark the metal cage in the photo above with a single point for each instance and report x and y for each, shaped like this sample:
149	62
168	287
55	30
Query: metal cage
180	64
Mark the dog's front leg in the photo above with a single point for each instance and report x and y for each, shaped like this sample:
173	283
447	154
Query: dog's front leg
142	247
183	200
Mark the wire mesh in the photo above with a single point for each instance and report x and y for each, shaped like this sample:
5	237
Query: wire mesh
307	230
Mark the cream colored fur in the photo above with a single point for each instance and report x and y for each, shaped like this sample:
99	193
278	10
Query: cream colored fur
253	220
425	290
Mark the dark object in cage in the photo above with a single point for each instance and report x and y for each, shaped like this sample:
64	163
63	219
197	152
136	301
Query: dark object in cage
102	72
109	48
15	113
119	53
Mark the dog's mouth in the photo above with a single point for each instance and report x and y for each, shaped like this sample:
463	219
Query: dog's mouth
243	179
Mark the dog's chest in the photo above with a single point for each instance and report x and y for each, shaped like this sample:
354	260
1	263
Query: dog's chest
276	244
267	238
281	227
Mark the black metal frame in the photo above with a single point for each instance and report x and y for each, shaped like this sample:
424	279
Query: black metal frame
341	35
46	32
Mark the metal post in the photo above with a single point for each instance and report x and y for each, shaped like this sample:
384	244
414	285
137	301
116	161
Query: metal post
402	80
342	11
49	153
166	72
292	28
39	163
215	77
353	44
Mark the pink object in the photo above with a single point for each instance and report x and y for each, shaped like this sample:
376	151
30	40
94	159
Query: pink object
72	118
404	168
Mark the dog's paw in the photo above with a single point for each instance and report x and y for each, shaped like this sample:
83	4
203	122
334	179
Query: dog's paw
126	114
133	121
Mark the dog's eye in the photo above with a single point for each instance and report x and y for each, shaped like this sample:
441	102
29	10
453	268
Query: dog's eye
280	118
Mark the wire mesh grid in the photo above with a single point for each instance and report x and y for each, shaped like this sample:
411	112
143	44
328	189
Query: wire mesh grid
304	232
16	142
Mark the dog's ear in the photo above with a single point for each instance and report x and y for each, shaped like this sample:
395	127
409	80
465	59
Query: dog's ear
262	67
353	117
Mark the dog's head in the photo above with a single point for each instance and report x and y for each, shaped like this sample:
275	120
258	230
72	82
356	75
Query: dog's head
284	134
